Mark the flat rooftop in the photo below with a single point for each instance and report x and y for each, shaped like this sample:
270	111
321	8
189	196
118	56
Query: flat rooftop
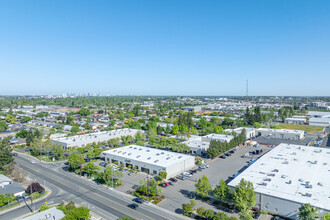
98	136
280	130
148	155
292	172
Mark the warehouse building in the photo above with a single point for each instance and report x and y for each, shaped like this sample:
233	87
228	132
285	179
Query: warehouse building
293	120
319	118
250	132
281	133
83	140
150	160
289	176
199	144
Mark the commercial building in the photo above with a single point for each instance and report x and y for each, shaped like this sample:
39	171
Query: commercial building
150	160
250	132
319	118
289	176
83	140
293	120
199	144
281	133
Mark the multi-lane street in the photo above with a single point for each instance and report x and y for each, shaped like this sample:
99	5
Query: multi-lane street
106	203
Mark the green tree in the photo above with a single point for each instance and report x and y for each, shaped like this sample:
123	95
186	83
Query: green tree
222	191
75	160
187	209
175	129
22	133
75	128
162	174
6	156
43	208
307	212
203	186
11	119
3	126
208	214
244	197
200	211
326	216
90	168
57	150
220	216
109	173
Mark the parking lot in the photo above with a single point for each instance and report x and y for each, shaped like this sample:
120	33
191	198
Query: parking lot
184	190
219	168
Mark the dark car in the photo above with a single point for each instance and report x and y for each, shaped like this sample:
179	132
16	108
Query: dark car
138	200
227	154
163	185
14	154
87	159
102	163
232	151
193	171
19	198
256	215
181	177
51	153
223	156
171	183
133	206
174	180
25	196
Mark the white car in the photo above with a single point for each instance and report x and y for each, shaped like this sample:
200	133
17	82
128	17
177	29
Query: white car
32	162
186	174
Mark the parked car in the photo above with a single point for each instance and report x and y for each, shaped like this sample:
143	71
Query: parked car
14	154
19	198
181	177
138	200
163	185
135	187
133	206
166	183
25	196
171	183
186	174
102	163
32	162
87	159
223	156
199	169
194	171
228	154
232	151
174	180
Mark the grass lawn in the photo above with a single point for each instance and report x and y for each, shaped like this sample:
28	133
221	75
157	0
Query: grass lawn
306	128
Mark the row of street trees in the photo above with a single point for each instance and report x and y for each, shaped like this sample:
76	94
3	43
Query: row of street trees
216	147
243	196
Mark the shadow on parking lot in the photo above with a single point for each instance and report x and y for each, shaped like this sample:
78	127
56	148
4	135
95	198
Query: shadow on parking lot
189	194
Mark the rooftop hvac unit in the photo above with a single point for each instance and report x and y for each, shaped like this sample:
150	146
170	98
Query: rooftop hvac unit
270	174
285	162
263	184
289	182
156	161
320	184
168	158
275	170
129	154
149	158
138	156
180	156
148	150
301	180
157	154
308	194
267	179
140	148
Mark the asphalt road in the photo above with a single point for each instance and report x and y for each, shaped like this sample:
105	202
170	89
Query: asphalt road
106	203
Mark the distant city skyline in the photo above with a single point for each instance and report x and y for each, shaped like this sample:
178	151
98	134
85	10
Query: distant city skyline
183	48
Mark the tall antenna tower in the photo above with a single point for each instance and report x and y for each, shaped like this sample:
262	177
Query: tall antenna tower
247	90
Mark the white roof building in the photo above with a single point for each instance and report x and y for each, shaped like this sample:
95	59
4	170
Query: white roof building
289	176
281	133
250	132
150	160
83	140
199	144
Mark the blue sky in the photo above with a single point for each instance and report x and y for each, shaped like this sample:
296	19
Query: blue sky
184	47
